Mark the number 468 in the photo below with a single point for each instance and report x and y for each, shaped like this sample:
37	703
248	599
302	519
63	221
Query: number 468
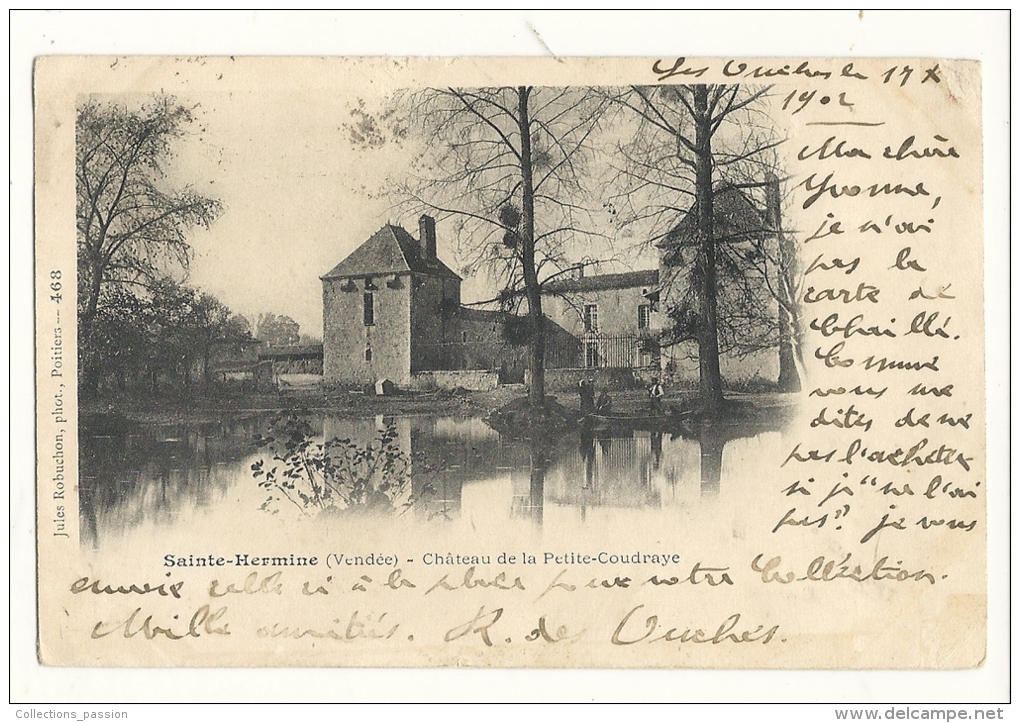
55	285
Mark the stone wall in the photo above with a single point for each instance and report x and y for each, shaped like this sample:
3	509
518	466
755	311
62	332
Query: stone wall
681	363
617	310
433	309
476	380
346	338
566	380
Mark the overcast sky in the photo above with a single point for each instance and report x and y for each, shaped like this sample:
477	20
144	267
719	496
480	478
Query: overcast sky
296	198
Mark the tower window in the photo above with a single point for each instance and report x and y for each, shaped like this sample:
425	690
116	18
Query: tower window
369	309
368	355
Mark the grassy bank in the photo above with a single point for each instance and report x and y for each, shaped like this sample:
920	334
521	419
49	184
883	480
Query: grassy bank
196	406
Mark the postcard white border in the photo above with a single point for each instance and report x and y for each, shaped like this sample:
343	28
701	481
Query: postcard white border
977	35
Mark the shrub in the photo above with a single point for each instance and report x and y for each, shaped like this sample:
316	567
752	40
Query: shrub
338	476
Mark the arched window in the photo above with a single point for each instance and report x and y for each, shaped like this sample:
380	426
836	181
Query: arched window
368	354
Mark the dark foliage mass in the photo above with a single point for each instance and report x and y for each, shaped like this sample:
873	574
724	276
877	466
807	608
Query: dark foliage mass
134	318
339	476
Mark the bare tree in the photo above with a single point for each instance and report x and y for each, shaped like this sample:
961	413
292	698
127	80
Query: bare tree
785	284
131	227
692	142
508	167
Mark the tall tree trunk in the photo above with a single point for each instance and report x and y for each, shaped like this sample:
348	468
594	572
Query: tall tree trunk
527	241
88	379
789	378
206	376
88	317
88	359
710	377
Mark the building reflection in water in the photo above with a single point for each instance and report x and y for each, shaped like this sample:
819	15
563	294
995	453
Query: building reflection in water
156	473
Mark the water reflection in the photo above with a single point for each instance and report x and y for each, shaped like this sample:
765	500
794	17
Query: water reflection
130	474
614	469
530	504
461	469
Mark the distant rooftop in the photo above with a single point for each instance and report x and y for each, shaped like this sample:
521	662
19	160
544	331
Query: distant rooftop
476	314
390	250
302	351
601	282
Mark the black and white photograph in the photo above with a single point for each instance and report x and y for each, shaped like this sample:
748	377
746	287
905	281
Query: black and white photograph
575	300
663	363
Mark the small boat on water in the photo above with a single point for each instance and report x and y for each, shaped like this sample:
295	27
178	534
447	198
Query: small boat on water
636	421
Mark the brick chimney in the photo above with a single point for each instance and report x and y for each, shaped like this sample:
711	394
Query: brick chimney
427	236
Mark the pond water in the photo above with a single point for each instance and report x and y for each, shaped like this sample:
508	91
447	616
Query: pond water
145	479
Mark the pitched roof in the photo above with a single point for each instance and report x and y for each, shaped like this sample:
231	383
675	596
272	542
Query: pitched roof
626	280
469	313
734	216
390	250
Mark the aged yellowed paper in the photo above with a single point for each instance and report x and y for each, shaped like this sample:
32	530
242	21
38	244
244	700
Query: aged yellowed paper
485	362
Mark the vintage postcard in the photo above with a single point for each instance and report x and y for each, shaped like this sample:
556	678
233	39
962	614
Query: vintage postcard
618	363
